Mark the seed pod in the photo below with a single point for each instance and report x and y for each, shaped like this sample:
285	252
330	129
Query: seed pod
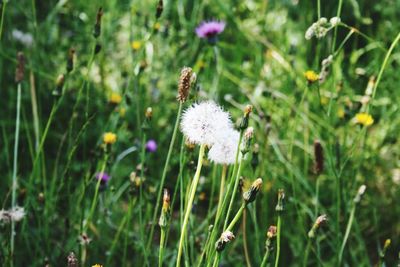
281	195
245	119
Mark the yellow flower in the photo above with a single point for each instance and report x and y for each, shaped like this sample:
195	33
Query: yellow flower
157	26
109	138
364	119
115	98
136	45
340	113
122	112
97	265
311	76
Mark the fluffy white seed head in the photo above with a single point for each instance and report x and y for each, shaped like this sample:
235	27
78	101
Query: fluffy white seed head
201	123
224	150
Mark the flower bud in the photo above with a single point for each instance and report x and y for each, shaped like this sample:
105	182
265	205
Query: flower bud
360	192
250	195
72	261
281	195
318	222
59	85
165	211
248	137
245	120
225	238
97	25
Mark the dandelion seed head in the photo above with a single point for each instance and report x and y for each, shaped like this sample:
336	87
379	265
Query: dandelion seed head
224	150
202	122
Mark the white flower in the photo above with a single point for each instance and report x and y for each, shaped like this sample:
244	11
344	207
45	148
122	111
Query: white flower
24	38
202	122
334	21
224	150
16	214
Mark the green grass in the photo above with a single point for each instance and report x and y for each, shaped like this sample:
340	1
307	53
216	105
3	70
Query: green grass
259	60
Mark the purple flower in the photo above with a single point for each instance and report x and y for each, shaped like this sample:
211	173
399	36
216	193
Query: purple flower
210	29
103	176
151	145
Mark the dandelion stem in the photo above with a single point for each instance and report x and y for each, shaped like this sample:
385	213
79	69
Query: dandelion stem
164	174
266	257
3	12
190	203
278	240
14	176
221	190
347	233
162	241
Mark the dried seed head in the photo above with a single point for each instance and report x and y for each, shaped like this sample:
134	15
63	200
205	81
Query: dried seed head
149	113
185	81
225	238
97	25
319	157
321	219
248	137
318	222
165	211
20	71
166	200
160	8
72	260
70	59
250	195
360	192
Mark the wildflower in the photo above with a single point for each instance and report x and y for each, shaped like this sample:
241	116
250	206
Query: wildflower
185	81
225	238
109	138
24	38
245	120
334	21
84	239
151	145
210	30
224	150
16	214
104	178
202	122
364	119
165	211
136	45
248	137
250	195
72	261
360	192
97	265
20	71
311	76
115	98
271	233
157	26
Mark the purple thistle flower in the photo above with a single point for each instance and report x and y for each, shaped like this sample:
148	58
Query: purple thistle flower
104	178
210	29
151	145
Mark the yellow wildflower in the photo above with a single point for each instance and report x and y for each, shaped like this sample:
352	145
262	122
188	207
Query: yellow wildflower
157	26
115	98
109	138
97	265
340	113
136	45
311	76
364	119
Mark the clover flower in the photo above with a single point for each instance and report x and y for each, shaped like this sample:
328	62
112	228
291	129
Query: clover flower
210	29
202	122
151	145
224	150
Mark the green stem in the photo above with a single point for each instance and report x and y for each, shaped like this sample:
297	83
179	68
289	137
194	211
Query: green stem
221	190
164	174
347	233
278	240
162	241
190	203
3	12
14	175
265	259
237	217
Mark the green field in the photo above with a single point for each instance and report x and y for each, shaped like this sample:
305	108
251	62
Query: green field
199	133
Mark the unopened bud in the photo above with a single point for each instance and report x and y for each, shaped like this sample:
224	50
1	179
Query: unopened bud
149	113
70	59
245	120
97	25
281	195
318	222
20	70
165	211
72	261
250	195
271	232
248	137
225	238
59	85
360	192
160	7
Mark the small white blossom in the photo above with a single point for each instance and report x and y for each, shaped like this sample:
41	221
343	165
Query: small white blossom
202	122
24	38
224	150
227	236
334	21
16	214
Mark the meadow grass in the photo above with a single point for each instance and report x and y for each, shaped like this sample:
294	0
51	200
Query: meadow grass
133	134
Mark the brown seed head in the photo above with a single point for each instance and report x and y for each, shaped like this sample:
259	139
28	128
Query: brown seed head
20	71
271	232
149	113
185	81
